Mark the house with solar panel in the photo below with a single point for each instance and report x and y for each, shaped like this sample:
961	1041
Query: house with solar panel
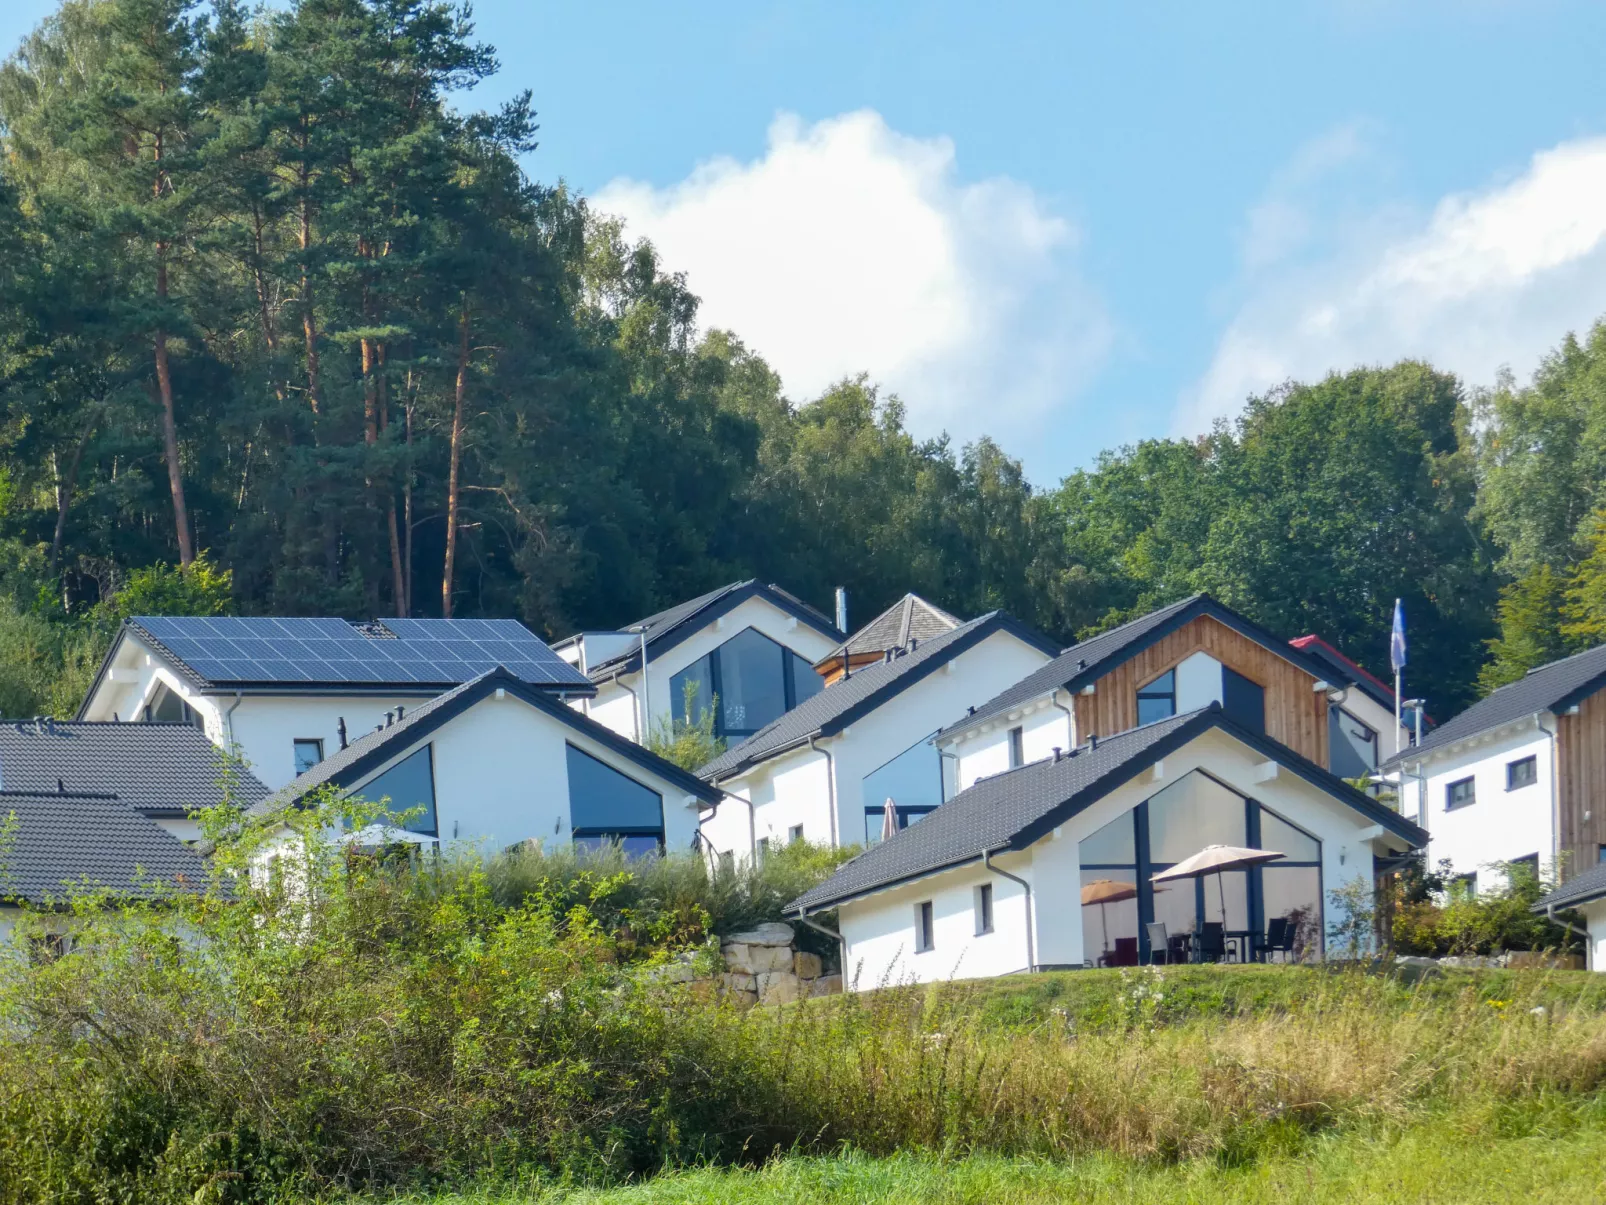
1518	777
1087	857
744	653
1175	659
497	762
824	769
286	693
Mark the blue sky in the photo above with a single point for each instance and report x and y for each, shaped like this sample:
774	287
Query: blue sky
1073	226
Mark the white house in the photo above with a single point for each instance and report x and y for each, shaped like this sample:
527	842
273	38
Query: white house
286	692
60	842
824	770
1363	733
745	652
1520	776
497	762
1178	658
164	771
1585	893
1007	875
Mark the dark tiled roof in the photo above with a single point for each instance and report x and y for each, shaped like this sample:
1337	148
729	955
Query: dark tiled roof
835	707
159	769
67	841
1010	811
1094	657
669	627
372	749
1580	889
911	618
1553	687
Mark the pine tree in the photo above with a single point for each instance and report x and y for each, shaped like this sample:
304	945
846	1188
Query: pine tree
1531	628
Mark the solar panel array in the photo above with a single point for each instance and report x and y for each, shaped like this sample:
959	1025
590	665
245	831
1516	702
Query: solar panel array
426	652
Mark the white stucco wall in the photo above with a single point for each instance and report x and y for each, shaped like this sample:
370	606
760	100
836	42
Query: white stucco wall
1501	824
1198	682
984	751
790	790
501	777
615	708
1594	914
880	929
1379	719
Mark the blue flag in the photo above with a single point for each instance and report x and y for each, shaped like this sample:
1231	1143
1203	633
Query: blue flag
1397	638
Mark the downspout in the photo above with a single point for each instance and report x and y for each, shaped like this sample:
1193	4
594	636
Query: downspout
1555	797
1589	943
987	861
954	757
228	718
635	708
841	945
830	785
646	695
1070	717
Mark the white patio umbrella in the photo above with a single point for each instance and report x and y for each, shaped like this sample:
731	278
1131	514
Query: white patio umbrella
1217	860
889	819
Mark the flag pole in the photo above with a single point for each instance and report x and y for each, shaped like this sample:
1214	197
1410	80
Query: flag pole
1397	713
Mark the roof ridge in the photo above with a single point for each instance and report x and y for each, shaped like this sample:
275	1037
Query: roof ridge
44	794
1552	665
1194	597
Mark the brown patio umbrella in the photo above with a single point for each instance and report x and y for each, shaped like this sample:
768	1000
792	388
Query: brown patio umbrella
889	819
1108	891
1217	860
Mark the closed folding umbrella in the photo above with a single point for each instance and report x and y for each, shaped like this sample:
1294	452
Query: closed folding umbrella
1217	860
889	819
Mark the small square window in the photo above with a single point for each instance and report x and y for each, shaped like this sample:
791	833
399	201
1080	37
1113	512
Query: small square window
1017	748
795	833
984	909
925	937
1460	793
763	848
1600	854
309	752
1523	772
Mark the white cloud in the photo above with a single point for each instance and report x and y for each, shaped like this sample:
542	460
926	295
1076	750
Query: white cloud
850	247
1489	279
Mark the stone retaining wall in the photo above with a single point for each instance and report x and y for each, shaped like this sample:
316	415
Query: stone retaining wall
762	967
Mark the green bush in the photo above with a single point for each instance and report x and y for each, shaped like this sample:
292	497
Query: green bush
1435	915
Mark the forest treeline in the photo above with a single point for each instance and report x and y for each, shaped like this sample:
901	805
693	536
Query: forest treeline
277	304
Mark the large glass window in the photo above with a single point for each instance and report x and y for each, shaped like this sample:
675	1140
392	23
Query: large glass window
605	805
1352	745
1120	901
1158	699
406	786
912	780
1243	700
747	682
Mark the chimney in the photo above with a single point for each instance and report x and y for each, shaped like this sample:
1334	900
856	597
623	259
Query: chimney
390	718
1092	740
1057	753
399	710
340	730
841	609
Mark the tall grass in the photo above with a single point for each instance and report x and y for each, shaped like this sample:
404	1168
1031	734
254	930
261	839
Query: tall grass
351	1026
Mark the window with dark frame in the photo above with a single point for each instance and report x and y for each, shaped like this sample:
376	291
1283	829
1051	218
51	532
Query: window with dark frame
1158	699
924	928
984	909
1460	793
795	833
1523	868
608	807
1523	772
746	683
1017	748
1243	699
309	752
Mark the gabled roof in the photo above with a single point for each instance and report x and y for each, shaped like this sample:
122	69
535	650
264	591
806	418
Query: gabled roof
669	627
1554	687
1580	889
66	841
861	692
1096	656
312	656
1370	685
373	749
909	620
1011	811
161	770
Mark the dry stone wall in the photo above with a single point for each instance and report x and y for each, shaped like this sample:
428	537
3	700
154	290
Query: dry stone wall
762	967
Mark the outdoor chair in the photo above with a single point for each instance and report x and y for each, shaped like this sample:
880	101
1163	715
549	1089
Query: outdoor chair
1212	942
1280	933
1126	952
1159	944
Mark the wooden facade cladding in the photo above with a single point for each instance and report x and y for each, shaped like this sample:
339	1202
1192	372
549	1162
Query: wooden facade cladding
1581	778
1296	713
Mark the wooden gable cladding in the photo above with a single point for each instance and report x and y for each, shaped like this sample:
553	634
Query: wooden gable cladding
1581	774
1296	713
